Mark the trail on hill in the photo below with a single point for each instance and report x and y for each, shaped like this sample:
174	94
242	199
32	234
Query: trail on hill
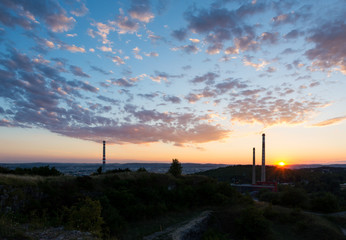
191	230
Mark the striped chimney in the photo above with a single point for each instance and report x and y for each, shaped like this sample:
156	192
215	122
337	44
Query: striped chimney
263	169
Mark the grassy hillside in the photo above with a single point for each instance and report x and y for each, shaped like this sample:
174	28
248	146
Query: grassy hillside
108	205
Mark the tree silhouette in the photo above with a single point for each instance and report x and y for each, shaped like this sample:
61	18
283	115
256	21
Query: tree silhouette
175	169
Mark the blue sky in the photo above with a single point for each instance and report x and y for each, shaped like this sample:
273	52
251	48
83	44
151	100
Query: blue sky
176	75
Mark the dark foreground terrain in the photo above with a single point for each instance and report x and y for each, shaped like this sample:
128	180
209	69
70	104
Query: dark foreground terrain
142	205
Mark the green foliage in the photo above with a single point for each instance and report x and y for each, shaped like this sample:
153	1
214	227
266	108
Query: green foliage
119	170
40	171
85	216
294	197
141	169
324	202
252	224
213	234
99	170
267	195
175	169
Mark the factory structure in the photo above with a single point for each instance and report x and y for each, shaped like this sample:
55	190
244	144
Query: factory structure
254	186
257	185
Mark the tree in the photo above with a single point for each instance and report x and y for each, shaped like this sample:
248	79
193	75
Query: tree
175	169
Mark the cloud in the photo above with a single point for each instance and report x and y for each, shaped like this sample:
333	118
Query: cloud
125	24
71	35
149	96
172	99
187	49
229	84
48	101
143	133
257	66
288	18
60	22
192	97
140	10
180	34
194	40
118	60
252	106
103	30
82	10
163	76
330	49
214	49
293	34
231	50
105	49
331	121
246	43
77	71
25	14
100	70
136	51
207	21
122	82
151	54
73	48
84	85
271	38
208	78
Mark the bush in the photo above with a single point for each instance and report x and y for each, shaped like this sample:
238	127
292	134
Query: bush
252	224
86	216
324	202
294	197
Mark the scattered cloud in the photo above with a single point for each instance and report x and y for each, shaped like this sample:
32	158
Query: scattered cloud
73	48
140	10
77	71
330	49
331	121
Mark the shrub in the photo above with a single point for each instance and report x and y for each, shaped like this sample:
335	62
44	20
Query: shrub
86	216
175	169
324	202
294	197
252	224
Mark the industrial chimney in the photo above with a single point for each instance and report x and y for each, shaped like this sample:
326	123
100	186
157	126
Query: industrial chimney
263	169
253	167
104	157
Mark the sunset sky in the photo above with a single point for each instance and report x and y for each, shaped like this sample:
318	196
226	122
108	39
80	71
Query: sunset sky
195	80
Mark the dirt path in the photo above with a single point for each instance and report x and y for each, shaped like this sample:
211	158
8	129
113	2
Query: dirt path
185	230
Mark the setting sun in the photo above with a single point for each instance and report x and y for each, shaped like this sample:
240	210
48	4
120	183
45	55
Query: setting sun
281	164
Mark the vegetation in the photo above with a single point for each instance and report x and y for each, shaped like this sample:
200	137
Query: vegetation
258	221
314	189
123	204
111	204
175	169
39	171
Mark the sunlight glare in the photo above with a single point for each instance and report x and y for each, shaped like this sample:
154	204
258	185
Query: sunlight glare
281	164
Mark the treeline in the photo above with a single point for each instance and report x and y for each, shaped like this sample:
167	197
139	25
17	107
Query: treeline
40	171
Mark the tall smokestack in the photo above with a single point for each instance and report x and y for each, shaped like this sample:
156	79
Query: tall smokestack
253	167
104	157
263	170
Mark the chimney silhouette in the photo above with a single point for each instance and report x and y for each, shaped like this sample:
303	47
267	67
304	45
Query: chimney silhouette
104	157
253	167
263	169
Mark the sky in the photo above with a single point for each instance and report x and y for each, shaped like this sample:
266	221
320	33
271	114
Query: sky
199	81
